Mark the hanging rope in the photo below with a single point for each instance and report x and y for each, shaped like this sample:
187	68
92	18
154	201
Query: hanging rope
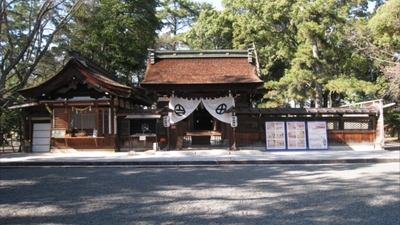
80	110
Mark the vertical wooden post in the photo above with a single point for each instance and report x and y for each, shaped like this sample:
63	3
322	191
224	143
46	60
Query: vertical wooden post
112	106
173	137
234	139
380	139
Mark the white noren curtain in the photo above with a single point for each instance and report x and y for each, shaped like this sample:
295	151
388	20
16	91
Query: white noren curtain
216	107
182	108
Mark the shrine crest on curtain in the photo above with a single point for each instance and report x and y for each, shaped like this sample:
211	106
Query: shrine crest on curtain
217	107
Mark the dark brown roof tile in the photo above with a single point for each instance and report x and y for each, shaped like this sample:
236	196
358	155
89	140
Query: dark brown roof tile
201	71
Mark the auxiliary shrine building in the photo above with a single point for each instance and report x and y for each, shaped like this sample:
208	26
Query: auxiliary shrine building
76	108
188	99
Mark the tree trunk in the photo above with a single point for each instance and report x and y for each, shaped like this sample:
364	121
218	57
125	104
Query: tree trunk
329	98
257	61
318	95
317	71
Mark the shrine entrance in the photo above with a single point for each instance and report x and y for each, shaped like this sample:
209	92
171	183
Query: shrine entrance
204	129
202	119
202	122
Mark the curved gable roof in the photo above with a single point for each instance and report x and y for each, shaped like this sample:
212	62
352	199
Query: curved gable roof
90	74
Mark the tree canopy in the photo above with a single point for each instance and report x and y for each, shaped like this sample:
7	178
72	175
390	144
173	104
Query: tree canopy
176	17
115	34
318	53
28	29
213	30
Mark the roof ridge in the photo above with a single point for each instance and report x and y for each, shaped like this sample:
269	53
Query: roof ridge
92	65
187	54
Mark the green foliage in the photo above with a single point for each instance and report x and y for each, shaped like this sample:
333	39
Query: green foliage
325	51
384	46
385	25
115	34
392	119
177	15
9	122
213	30
302	50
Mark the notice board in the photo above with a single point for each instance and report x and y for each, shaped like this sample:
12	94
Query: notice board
296	134
275	135
317	135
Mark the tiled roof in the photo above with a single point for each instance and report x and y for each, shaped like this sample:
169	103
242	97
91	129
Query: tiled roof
201	71
107	80
90	69
203	67
90	74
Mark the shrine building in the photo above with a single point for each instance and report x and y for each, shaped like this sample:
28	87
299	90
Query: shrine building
76	108
188	100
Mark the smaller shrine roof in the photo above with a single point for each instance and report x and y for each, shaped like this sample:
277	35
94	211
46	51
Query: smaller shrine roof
93	75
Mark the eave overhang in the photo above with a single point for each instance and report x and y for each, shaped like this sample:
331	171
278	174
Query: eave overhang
307	111
204	87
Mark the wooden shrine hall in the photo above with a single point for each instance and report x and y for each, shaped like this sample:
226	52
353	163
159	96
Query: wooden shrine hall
200	88
76	108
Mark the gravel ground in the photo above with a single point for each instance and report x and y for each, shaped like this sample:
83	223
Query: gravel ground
271	194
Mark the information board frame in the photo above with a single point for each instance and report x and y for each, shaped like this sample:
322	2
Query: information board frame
296	135
317	135
275	135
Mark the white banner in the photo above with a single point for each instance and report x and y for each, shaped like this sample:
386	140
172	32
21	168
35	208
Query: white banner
182	108
217	107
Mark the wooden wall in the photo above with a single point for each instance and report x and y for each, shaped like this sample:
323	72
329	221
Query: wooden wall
106	142
356	130
104	139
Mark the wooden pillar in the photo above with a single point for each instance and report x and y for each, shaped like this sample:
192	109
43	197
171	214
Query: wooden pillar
261	132
230	133
180	133
233	146
380	136
97	119
27	139
173	136
112	112
341	128
23	131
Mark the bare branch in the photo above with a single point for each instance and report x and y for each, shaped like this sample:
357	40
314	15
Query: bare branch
41	30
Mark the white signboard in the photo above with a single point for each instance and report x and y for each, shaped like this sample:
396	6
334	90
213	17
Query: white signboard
234	121
166	121
296	135
275	135
317	135
142	138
